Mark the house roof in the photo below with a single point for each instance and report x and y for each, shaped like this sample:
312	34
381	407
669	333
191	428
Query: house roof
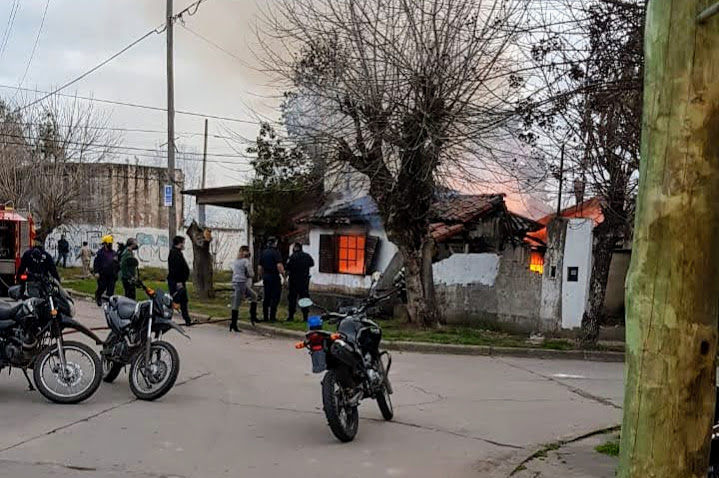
589	209
449	214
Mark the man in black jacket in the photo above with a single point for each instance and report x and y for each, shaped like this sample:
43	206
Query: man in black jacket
298	269
178	273
37	261
271	269
63	250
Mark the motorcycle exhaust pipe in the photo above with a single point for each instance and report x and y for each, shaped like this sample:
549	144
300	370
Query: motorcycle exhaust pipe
342	352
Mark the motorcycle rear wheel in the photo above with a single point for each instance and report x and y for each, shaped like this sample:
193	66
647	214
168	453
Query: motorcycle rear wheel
343	420
110	370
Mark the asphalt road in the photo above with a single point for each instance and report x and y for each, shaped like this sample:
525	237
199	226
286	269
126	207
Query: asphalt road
247	405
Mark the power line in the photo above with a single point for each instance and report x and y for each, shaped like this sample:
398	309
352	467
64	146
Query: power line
211	43
132	105
34	48
95	68
8	28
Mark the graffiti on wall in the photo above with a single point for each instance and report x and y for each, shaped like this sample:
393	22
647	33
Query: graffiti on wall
154	244
152	247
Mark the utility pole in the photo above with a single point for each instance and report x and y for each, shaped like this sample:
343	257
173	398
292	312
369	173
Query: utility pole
201	207
561	180
172	210
673	281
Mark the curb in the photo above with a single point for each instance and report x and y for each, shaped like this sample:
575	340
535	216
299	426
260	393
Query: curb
425	347
449	349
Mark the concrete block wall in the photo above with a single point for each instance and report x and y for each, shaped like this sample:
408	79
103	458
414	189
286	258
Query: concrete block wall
479	289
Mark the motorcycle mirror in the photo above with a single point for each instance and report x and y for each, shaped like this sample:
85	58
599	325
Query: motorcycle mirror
305	303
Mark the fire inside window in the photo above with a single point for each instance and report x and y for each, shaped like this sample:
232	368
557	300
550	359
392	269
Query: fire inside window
536	262
351	254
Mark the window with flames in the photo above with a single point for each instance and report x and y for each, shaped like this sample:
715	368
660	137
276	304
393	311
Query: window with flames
536	262
347	253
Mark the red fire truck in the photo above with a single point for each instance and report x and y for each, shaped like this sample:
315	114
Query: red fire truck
16	234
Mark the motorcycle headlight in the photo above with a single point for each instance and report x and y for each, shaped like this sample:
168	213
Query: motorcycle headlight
167	301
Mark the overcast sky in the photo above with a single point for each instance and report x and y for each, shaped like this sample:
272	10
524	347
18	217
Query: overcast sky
79	34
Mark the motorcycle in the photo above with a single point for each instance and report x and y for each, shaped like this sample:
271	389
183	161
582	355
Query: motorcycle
356	367
136	330
31	337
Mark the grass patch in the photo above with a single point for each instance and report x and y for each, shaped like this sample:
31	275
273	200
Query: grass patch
610	448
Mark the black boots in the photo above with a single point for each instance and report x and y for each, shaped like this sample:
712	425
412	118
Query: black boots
233	322
253	312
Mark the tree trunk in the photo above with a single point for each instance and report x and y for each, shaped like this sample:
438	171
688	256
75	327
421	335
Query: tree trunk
601	261
202	270
421	306
673	282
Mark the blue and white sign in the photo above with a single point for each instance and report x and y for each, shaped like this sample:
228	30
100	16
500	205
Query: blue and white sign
168	195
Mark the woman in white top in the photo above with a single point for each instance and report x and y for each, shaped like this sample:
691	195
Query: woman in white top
242	275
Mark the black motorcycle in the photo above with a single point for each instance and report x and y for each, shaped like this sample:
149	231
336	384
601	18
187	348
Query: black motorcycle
31	337
356	368
136	330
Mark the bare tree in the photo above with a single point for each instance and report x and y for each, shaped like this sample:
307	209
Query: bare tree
584	96
47	151
405	92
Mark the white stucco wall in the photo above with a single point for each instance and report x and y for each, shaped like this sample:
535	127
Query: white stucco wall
348	282
577	253
154	243
465	269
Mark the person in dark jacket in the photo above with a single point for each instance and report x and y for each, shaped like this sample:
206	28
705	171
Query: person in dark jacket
105	269
271	269
128	269
37	261
178	273
63	250
298	269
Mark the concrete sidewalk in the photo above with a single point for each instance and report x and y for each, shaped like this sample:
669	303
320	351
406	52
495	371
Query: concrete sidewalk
589	457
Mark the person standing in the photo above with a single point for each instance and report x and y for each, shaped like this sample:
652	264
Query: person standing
271	269
85	257
105	268
36	261
242	276
178	273
63	250
298	270
128	268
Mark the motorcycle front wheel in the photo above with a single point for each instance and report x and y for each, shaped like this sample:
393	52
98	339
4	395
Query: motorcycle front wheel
384	401
342	418
77	382
150	381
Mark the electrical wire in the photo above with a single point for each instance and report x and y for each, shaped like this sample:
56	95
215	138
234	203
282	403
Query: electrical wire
132	105
8	28
34	49
213	44
95	68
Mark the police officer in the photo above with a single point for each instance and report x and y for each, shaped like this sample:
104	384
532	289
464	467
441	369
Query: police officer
298	269
271	269
37	261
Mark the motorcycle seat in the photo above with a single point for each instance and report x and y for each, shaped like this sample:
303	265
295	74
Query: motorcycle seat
125	307
9	311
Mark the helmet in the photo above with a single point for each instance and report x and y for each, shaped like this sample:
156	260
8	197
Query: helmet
107	239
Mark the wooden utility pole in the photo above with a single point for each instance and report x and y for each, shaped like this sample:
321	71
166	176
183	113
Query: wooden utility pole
172	210
673	282
561	181
201	208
